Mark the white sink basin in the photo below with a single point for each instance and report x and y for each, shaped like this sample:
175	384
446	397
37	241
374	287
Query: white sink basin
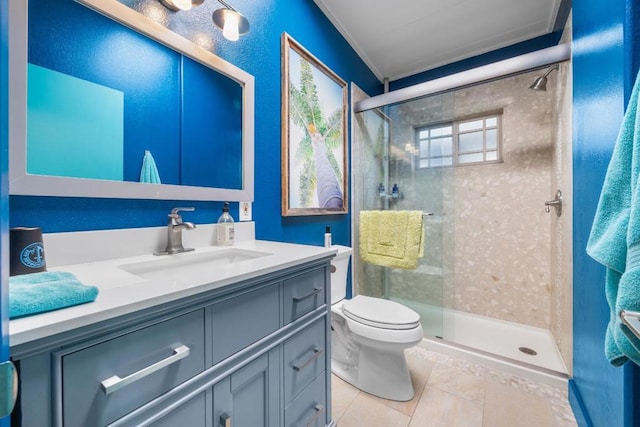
191	264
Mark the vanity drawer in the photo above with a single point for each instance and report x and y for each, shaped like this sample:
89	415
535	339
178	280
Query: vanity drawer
309	408
303	294
241	320
148	362
304	358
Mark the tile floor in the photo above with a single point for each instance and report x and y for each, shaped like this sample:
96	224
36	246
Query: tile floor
453	392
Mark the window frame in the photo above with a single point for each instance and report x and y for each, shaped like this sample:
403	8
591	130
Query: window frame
455	141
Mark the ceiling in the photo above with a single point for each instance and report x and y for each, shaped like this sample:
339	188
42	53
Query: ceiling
400	38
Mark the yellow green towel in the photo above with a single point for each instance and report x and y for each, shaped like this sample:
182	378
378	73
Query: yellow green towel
391	238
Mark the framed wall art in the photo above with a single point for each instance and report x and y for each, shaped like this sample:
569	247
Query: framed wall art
314	135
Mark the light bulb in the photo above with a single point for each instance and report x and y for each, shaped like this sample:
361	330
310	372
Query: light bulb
177	5
183	4
231	29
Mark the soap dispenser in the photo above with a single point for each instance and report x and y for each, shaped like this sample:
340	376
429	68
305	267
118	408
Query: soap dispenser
225	229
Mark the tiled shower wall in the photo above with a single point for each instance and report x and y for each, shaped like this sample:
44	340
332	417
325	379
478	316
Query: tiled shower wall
502	232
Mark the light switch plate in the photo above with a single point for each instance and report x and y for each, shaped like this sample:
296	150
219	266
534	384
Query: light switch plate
245	211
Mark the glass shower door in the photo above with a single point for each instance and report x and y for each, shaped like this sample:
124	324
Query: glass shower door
386	156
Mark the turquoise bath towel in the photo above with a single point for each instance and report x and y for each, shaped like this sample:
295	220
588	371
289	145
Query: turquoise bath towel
149	172
615	235
46	291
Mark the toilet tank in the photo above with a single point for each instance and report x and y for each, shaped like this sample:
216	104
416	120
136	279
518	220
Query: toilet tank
340	267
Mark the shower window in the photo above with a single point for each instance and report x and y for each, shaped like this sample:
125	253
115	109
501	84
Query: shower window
461	142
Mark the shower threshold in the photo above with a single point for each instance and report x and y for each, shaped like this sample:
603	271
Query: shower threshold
497	362
508	342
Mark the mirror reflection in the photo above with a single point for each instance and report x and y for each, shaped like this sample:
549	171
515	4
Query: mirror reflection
101	96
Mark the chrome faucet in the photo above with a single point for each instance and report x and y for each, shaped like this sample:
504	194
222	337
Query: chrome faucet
174	232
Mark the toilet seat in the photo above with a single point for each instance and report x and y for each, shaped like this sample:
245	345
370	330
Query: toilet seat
380	313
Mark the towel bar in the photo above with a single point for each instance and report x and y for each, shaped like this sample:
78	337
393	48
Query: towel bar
632	320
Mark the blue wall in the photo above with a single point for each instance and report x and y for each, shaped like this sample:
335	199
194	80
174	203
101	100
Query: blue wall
257	52
603	65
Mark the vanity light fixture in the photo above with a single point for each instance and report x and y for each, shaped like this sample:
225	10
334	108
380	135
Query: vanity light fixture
177	5
230	21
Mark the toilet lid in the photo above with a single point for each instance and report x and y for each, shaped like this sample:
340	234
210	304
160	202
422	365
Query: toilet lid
380	313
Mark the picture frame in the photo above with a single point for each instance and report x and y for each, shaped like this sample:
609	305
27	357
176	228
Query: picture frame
314	135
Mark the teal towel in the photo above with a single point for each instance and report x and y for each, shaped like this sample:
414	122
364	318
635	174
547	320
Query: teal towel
149	172
615	235
46	291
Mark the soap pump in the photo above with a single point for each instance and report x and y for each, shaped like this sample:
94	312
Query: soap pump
225	230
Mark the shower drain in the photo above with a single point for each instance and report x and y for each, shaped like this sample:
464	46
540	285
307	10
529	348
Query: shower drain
529	351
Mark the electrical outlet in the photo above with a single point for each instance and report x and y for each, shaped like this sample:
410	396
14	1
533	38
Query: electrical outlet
245	211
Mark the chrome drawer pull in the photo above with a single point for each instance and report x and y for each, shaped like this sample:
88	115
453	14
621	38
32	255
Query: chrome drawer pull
115	382
316	352
319	408
316	291
225	420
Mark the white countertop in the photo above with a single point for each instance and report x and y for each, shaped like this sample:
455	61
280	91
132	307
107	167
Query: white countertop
123	293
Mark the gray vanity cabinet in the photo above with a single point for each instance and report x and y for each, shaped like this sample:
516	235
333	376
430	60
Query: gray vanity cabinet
249	354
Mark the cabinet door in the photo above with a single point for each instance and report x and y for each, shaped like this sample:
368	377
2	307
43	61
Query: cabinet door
250	396
189	414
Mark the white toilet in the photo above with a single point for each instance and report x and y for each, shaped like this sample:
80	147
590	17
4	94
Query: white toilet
369	336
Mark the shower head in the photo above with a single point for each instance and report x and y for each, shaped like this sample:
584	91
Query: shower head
540	84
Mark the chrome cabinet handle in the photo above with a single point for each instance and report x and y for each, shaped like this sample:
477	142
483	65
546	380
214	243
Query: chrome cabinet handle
316	352
316	291
225	420
115	382
318	408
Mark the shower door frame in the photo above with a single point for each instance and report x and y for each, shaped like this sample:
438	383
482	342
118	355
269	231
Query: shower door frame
486	73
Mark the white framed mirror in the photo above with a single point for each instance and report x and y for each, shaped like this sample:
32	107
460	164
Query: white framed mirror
23	180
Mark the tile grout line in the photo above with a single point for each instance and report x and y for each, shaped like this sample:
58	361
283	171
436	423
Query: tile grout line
349	405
